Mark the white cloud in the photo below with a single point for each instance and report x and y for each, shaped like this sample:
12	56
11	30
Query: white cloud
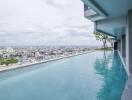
44	22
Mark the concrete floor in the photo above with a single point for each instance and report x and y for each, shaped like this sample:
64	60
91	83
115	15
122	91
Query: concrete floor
127	95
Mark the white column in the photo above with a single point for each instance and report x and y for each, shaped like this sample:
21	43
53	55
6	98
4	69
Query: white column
123	46
129	42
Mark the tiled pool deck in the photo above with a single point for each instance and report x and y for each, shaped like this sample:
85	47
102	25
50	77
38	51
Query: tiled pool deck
127	95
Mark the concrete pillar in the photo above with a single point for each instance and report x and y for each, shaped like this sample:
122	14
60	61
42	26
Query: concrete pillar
123	47
129	42
119	45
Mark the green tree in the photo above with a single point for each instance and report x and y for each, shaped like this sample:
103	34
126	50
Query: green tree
8	61
101	37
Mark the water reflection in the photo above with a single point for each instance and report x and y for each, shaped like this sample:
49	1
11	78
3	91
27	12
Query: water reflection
112	73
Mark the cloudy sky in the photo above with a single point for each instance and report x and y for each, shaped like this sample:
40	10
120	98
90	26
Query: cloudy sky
44	22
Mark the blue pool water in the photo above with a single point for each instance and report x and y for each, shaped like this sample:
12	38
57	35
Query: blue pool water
93	76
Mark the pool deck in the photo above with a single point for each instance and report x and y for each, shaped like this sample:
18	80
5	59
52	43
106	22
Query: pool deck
127	95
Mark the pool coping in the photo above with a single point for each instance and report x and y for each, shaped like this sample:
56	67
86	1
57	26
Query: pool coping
123	62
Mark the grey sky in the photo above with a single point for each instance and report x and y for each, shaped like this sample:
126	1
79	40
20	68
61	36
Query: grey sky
44	22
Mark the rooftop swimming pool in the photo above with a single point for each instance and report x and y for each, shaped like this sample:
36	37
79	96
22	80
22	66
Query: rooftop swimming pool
94	76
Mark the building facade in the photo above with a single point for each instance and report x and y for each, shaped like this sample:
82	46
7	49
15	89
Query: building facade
114	18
